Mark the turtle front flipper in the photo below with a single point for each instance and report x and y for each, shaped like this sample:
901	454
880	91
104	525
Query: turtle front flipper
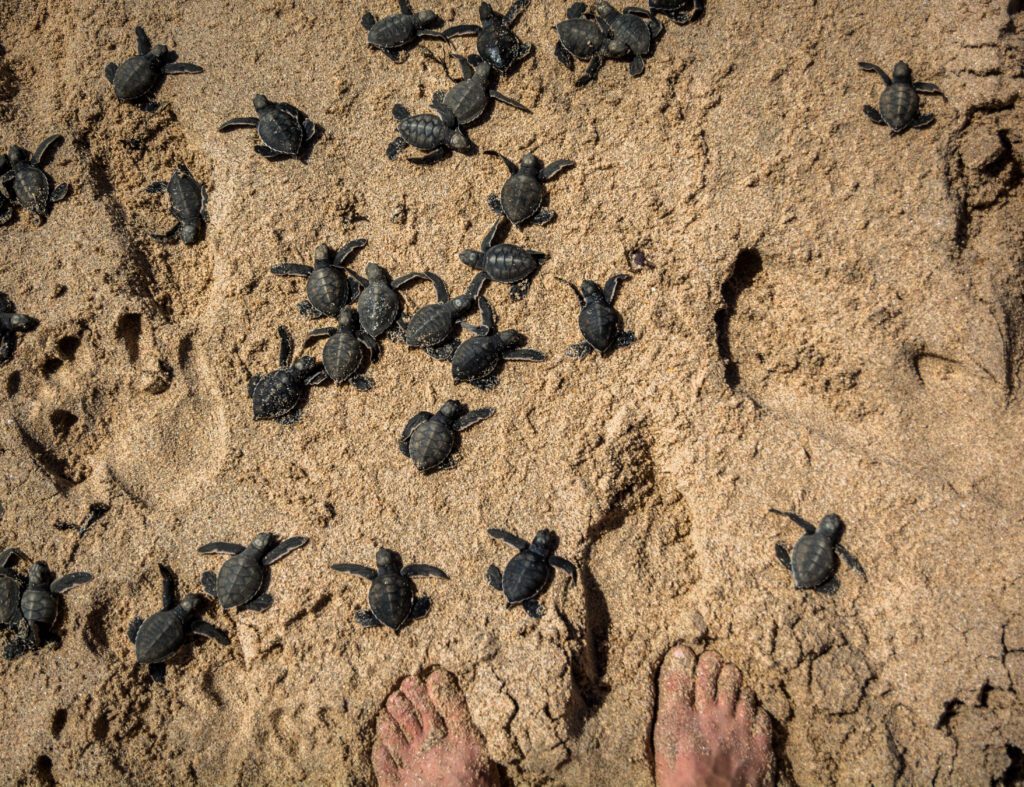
182	68
286	547
850	560
564	565
352	568
203	629
367	619
423	570
234	123
806	526
167	579
783	555
222	547
68	581
493	576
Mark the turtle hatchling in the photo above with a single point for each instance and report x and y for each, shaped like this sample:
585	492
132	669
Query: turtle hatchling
435	134
328	285
393	601
393	33
682	12
281	394
600	323
243	578
813	559
379	304
472	95
345	352
139	77
496	42
899	104
635	29
529	573
478	359
158	637
188	206
523	195
29	183
40	600
11	324
11	586
429	440
432	328
583	38
504	263
283	129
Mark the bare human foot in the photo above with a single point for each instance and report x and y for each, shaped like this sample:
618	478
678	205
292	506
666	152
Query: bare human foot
425	736
708	730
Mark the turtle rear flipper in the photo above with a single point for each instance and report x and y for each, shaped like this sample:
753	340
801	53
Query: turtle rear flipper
158	672
493	576
420	607
636	66
367	20
209	582
873	114
534	608
133	629
261	603
367	619
109	72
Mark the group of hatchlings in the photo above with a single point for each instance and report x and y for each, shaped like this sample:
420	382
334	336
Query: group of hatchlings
369	308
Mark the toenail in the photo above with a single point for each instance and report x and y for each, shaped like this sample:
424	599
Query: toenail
679	652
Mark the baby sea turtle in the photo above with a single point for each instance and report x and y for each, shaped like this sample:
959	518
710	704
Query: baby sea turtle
158	637
6	209
393	33
502	262
283	129
529	573
813	559
11	585
139	77
40	602
429	440
478	359
495	40
600	323
435	134
328	289
582	38
243	577
281	394
29	184
344	354
682	12
523	195
634	28
379	304
433	327
11	324
188	206
472	94
899	105
393	600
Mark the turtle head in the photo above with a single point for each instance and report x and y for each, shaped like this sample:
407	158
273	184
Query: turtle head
461	304
190	603
262	541
544	543
511	339
322	255
459	141
483	71
616	48
901	72
831	527
348	318
487	13
450	409
305	365
424	20
529	165
388	559
472	258
17	155
22	322
604	9
37	573
376	273
159	51
189	233
591	290
260	102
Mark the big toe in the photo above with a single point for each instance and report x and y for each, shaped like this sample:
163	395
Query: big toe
675	690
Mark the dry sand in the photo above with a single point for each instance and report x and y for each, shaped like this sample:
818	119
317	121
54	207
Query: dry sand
833	323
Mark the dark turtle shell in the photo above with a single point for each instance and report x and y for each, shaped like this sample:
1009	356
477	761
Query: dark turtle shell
378	308
521	197
392	32
431	443
277	394
10	600
281	130
159	636
467	100
584	38
425	132
137	77
898	105
343	355
391	599
525	577
39	605
430	326
186	197
508	264
813	560
476	357
239	580
599	324
32	188
327	289
632	31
